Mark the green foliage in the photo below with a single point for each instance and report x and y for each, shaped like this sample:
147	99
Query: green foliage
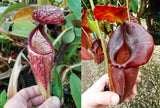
42	2
5	43
69	36
134	5
75	84
70	16
73	48
92	26
22	28
11	8
3	98
78	31
56	85
75	6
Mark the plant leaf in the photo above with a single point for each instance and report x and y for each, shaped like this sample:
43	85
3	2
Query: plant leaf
85	55
73	48
6	37
78	31
75	84
3	98
86	38
69	36
22	28
134	5
24	14
11	8
68	17
110	13
56	85
75	6
12	87
92	26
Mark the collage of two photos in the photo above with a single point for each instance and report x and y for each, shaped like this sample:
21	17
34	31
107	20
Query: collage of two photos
79	54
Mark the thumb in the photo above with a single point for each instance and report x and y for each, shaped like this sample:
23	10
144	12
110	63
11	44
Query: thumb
107	98
52	102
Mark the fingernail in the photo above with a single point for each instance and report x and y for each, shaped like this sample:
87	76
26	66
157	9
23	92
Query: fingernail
115	99
135	92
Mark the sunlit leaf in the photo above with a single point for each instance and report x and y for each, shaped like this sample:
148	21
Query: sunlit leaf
22	28
56	85
3	98
92	26
11	8
42	2
110	13
24	14
75	6
75	84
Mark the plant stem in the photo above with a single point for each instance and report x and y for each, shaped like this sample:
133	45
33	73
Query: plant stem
60	36
128	9
69	68
101	37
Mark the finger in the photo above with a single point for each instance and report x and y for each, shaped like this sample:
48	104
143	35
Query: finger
35	101
62	101
126	100
138	80
52	102
105	98
29	92
134	90
100	84
132	96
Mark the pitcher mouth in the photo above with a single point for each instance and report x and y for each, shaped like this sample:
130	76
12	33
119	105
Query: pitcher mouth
45	46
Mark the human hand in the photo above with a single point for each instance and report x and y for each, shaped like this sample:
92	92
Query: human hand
31	96
96	97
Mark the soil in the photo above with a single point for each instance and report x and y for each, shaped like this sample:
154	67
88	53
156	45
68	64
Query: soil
148	89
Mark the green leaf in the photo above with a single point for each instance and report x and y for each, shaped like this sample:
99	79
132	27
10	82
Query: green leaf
92	26
22	28
68	17
3	98
11	8
75	84
42	2
59	68
134	5
78	31
49	37
69	36
56	85
6	37
7	25
75	6
73	48
77	68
